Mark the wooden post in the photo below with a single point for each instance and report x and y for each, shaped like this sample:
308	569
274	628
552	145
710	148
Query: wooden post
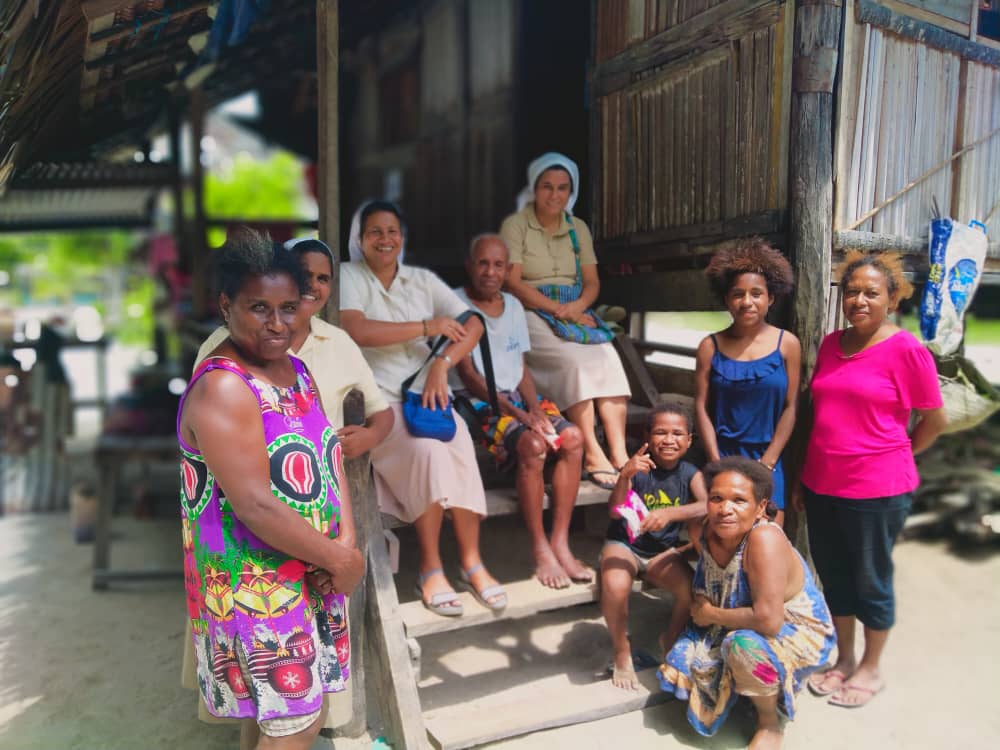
378	640
328	162
177	184
358	471
196	237
810	232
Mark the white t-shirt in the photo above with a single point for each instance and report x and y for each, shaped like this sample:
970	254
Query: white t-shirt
508	341
415	294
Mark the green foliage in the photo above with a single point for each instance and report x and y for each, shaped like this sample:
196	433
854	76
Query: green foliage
75	268
271	189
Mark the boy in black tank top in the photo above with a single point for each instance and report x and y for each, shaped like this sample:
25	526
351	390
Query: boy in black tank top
673	492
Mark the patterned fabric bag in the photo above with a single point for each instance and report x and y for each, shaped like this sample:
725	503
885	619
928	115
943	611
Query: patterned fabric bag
562	293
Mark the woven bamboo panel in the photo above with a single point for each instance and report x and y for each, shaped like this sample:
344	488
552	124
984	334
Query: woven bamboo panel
907	97
977	183
692	144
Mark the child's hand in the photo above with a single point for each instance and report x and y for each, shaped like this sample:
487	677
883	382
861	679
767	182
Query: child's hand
655	521
640	462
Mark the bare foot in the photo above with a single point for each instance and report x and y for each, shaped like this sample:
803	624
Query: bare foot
766	739
548	570
577	570
623	673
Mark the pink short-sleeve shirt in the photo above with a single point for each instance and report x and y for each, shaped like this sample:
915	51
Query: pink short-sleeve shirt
859	446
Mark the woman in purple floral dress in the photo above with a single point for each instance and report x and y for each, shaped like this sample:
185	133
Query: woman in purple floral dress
268	540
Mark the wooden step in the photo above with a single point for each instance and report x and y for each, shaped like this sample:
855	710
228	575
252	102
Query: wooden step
553	702
524	598
502	501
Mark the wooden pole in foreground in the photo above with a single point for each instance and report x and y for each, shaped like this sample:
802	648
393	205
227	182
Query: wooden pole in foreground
328	162
380	661
815	48
196	235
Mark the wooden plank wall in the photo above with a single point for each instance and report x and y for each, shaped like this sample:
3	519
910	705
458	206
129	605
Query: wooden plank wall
622	23
458	170
696	141
905	108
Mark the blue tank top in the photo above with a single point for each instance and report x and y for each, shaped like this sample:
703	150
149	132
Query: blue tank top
746	398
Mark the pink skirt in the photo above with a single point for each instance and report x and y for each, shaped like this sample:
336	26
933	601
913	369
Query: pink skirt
411	473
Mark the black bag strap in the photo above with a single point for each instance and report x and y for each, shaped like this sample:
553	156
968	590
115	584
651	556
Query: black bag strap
484	348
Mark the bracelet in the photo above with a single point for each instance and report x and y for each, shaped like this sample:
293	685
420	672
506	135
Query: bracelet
425	327
445	357
769	467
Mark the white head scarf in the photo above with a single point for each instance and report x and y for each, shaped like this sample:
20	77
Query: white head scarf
354	241
539	165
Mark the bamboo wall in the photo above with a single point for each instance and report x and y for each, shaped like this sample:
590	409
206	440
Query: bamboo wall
906	108
693	113
622	23
455	165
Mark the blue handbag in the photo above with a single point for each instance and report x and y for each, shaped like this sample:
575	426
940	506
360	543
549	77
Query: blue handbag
439	424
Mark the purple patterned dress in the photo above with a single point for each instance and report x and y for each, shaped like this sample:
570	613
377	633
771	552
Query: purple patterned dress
266	646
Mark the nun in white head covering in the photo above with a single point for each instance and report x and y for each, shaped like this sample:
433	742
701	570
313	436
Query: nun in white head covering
550	248
392	311
545	162
354	240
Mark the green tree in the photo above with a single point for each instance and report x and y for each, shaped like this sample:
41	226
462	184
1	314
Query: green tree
271	189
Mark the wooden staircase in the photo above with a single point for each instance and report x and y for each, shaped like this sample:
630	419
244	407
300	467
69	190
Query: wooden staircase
386	652
513	706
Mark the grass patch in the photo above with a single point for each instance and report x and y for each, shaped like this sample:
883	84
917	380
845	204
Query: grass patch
978	331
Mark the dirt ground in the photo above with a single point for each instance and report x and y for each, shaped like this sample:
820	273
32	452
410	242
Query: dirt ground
99	671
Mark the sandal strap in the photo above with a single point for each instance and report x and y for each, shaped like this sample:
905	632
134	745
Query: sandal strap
442	597
473	570
493	591
433	572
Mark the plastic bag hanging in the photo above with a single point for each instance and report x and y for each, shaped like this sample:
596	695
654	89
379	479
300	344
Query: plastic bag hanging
957	253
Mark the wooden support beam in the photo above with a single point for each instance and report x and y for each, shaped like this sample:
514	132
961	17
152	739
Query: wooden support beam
643	389
358	472
166	45
378	639
873	242
94	9
925	33
817	41
815	48
328	164
147	22
196	236
177	183
728	20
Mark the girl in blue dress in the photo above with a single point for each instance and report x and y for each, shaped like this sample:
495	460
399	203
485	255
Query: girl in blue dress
747	375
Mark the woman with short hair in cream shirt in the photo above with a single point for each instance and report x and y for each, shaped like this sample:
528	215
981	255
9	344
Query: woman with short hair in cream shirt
392	311
584	380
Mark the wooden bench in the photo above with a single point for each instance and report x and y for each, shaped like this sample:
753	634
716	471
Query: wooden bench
112	452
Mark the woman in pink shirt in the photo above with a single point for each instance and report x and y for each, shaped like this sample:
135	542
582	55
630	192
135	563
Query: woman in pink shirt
859	474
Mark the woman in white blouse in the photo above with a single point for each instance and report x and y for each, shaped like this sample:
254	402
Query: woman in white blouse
391	311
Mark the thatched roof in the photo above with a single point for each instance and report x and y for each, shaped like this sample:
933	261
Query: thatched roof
79	77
